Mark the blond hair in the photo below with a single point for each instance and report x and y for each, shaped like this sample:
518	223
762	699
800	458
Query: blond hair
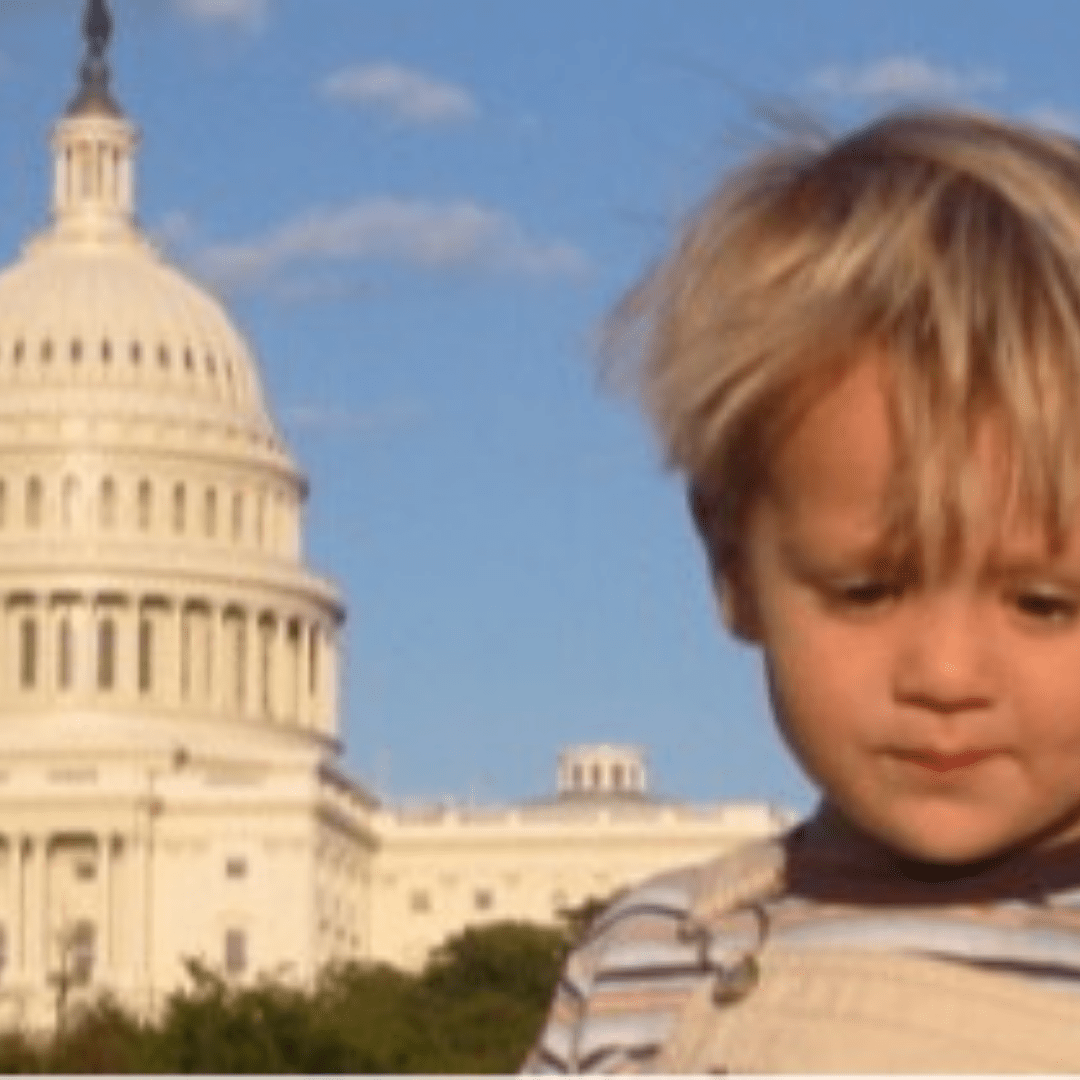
948	241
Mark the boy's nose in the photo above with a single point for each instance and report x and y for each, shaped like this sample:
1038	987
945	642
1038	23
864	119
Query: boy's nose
942	662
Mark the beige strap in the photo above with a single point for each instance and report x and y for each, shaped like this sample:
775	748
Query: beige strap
840	1011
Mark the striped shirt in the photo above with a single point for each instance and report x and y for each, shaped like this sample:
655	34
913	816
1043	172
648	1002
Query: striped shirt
626	983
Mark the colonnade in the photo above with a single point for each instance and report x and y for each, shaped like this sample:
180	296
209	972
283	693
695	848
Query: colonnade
54	923
228	657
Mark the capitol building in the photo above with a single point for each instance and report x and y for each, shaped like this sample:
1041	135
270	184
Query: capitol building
170	776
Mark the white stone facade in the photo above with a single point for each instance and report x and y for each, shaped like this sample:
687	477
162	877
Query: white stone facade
169	738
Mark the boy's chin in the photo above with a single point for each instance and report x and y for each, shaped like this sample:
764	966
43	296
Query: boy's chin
939	849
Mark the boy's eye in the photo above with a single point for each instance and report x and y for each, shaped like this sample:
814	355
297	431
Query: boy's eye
1046	607
865	594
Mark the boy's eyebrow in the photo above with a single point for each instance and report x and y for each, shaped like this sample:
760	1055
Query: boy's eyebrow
878	555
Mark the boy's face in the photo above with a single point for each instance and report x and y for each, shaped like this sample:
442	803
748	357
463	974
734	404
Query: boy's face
941	718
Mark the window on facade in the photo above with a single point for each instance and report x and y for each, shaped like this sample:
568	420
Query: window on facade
28	653
69	501
136	353
3	504
76	351
106	653
237	515
260	519
145	500
235	951
80	946
163	356
179	508
210	513
107	503
85	869
34	499
65	654
483	900
3	947
238	639
146	655
46	350
236	866
617	777
106	351
420	902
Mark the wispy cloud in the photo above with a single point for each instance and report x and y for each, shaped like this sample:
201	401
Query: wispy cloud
429	235
245	13
905	77
1053	118
402	93
364	423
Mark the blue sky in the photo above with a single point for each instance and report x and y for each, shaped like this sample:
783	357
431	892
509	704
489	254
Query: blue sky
419	211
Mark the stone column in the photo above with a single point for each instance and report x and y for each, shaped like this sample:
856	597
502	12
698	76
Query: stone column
303	676
18	903
105	903
252	665
36	918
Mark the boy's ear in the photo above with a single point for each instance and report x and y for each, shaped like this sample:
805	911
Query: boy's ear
731	587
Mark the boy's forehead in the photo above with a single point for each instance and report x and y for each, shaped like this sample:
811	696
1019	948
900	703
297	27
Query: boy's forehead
838	467
847	424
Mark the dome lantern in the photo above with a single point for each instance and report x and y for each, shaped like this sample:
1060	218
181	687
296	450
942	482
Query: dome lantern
94	147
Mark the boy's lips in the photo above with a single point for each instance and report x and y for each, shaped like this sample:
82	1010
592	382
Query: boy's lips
942	762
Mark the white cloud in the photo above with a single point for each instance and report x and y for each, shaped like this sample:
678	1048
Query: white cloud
404	94
903	76
430	235
1052	118
247	13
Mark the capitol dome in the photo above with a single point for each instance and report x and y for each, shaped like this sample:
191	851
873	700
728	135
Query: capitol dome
150	514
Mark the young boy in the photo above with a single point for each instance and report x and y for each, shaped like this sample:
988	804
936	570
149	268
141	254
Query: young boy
866	360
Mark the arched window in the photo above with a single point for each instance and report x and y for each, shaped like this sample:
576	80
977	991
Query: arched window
34	500
107	503
179	508
146	655
28	652
617	777
81	947
106	653
145	499
65	654
236	958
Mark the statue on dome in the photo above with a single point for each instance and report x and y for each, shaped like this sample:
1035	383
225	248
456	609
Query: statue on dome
94	92
97	28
